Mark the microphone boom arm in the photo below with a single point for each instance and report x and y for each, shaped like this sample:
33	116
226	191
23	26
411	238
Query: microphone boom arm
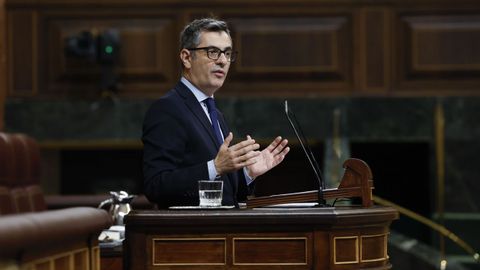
311	159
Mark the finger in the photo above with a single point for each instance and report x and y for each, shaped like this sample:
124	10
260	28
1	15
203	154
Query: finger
253	154
247	156
277	145
284	152
249	162
244	163
281	156
243	144
281	150
228	140
280	147
247	151
249	148
271	146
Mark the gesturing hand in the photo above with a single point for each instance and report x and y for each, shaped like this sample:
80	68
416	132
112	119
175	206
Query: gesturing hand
232	158
268	157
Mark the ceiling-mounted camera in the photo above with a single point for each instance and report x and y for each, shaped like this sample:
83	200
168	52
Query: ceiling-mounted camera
97	48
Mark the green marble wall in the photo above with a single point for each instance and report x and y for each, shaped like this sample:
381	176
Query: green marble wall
364	119
361	120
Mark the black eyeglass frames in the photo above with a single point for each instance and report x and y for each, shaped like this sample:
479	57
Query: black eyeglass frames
214	53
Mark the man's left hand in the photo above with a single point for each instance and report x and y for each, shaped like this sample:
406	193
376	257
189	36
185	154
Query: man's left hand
269	157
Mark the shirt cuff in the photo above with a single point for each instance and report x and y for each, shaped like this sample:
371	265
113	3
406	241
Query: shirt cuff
212	172
248	179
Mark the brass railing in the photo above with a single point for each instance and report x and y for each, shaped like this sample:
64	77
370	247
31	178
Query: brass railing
431	224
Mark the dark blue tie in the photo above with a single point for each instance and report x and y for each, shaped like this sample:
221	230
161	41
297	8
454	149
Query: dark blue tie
212	110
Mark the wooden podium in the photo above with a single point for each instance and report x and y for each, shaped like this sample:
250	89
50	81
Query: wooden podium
262	236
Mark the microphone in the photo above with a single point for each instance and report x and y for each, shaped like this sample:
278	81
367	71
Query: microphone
308	153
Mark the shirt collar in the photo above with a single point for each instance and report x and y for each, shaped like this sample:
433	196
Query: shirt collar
199	95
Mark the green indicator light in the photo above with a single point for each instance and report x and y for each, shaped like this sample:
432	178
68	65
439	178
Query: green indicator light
108	49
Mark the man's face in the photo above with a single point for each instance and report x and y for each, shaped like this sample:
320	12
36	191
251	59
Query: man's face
206	74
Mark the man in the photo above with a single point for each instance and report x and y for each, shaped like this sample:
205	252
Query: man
186	138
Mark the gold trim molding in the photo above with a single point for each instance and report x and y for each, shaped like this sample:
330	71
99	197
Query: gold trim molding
385	253
335	238
69	256
359	248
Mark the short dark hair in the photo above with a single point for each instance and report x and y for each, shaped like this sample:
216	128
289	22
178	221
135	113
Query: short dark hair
190	36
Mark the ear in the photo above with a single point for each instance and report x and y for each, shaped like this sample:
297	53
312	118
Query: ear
186	58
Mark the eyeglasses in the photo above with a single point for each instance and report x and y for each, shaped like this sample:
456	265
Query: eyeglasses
214	53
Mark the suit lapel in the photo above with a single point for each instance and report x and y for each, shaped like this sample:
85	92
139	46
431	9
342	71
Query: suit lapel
194	106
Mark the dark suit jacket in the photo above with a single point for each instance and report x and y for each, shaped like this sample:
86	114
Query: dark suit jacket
178	142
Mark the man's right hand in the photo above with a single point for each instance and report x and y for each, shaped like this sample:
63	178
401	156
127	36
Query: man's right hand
235	157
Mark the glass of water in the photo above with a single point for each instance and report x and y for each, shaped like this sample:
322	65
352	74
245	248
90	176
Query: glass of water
210	193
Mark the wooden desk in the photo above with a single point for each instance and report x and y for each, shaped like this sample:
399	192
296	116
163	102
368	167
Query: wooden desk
268	238
111	258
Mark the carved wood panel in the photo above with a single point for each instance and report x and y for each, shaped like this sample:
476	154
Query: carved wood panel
292	54
374	49
3	61
22	70
295	48
439	52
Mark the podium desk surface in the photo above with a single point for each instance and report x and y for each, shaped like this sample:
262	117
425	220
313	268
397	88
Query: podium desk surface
263	216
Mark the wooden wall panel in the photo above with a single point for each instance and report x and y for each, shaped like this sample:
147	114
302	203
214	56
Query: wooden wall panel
292	48
22	47
270	45
292	51
439	52
3	61
374	50
147	59
445	43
